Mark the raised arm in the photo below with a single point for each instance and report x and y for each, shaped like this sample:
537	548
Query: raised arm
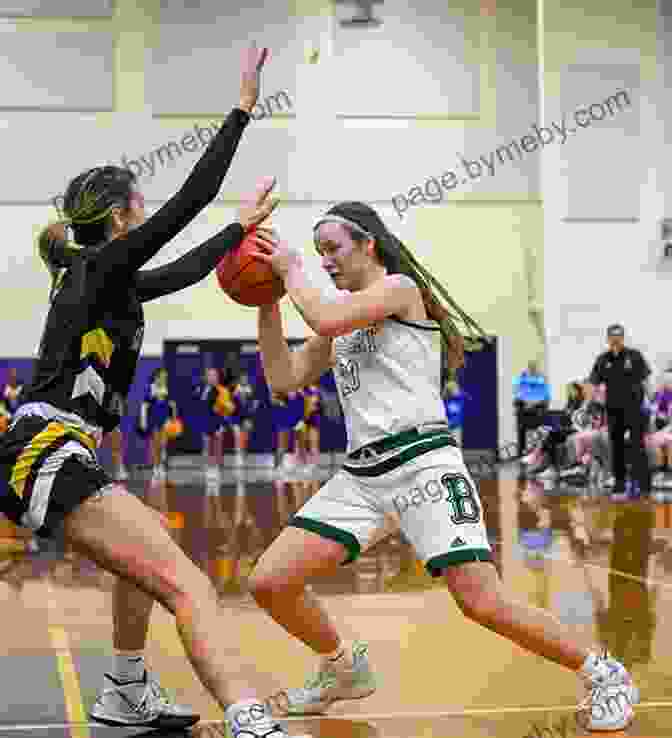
201	187
287	370
199	262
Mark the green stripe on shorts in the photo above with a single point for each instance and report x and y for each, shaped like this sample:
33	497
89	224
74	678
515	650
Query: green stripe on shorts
422	446
331	533
437	564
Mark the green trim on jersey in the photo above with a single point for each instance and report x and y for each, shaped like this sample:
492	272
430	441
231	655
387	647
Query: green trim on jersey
330	532
437	564
411	444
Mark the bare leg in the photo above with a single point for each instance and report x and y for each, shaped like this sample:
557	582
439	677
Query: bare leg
116	448
479	594
282	446
122	535
278	584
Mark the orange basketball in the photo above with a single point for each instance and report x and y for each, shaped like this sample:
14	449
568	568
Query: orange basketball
173	429
247	280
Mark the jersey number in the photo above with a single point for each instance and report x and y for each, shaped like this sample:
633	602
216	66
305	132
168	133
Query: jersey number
349	372
462	499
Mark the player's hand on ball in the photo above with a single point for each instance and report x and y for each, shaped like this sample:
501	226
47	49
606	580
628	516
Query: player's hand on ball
272	250
259	205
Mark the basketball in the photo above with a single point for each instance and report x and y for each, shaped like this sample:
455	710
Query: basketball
247	280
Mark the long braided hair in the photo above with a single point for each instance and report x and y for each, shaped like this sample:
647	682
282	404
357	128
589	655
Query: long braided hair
84	209
460	332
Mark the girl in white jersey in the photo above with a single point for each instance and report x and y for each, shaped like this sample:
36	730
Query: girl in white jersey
379	324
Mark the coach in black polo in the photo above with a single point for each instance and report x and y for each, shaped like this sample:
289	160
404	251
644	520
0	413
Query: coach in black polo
624	371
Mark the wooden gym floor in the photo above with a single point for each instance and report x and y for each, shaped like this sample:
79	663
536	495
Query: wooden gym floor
605	567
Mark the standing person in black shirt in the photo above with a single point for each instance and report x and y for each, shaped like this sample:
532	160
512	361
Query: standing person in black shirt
624	371
49	474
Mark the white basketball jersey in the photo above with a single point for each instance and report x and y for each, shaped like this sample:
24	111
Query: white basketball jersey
388	378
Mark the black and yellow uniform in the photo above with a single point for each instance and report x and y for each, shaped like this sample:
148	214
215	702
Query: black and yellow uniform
92	341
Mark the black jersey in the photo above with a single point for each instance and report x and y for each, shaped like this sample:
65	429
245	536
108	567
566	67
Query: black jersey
94	330
624	374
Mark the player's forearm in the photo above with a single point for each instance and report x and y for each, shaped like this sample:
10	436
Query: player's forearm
276	356
313	293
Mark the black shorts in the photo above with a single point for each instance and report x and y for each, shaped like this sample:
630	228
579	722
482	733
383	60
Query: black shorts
47	469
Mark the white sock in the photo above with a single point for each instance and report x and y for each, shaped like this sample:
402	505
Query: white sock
129	666
591	665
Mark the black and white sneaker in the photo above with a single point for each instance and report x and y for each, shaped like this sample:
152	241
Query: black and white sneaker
251	719
140	704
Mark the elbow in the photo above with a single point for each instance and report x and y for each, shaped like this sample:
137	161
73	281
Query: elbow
329	327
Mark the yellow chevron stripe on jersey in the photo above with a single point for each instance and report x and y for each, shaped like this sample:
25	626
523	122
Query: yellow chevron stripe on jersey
98	343
31	453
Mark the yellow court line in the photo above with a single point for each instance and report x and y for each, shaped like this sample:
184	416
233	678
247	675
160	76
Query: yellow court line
72	693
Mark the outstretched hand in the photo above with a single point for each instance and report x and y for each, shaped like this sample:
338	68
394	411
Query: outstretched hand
253	61
258	206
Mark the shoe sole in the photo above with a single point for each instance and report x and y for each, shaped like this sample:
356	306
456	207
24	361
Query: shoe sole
614	729
320	708
161	722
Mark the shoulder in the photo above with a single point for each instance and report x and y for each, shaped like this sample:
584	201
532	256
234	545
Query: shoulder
401	281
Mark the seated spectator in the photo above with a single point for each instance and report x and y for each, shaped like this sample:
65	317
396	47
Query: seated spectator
582	443
571	454
662	403
11	393
548	449
531	399
659	442
453	401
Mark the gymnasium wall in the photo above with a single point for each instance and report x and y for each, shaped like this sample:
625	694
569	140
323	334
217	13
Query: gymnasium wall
380	112
605	190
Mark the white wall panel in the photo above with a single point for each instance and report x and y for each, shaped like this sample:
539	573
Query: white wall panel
56	8
343	163
55	70
602	162
417	62
194	67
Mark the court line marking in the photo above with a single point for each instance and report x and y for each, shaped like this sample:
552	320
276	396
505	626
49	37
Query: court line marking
371	716
67	671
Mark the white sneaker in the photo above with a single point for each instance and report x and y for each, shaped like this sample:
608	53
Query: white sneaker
141	704
657	480
159	474
121	474
574	471
251	719
667	481
550	474
608	706
330	684
609	482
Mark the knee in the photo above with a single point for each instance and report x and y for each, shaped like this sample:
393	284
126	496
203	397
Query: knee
478	605
264	586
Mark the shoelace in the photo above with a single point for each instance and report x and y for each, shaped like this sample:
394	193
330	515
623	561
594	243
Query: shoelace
261	726
159	693
153	698
283	699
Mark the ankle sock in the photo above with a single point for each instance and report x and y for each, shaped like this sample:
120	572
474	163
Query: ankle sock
129	666
593	666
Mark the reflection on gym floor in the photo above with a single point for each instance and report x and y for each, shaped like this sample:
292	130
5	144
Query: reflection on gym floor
602	566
